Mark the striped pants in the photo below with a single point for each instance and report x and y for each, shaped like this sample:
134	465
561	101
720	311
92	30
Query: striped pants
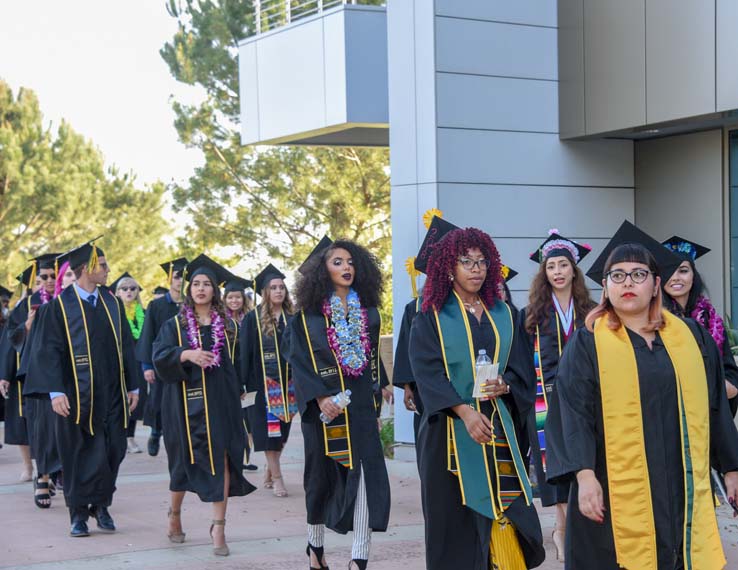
362	532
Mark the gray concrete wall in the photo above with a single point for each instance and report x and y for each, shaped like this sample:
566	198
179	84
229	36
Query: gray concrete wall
679	190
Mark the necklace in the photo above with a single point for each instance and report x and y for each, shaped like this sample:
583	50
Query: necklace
348	333
470	306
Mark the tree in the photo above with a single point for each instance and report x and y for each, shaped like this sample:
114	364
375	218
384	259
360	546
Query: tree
277	201
55	193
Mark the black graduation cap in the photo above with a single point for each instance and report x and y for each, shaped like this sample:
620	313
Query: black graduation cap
556	245
25	277
437	229
45	261
202	264
508	273
85	254
324	243
267	274
170	267
160	290
685	248
5	292
238	284
114	284
666	259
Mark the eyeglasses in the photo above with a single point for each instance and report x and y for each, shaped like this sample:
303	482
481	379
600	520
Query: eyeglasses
637	276
132	288
470	264
47	276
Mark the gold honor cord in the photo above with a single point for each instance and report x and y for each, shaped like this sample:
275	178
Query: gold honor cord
89	359
20	392
74	362
205	402
118	340
184	400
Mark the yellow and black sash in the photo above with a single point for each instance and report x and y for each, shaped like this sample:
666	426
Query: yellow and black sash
78	339
466	458
196	413
631	508
279	391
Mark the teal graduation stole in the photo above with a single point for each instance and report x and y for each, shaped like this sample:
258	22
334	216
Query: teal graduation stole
467	458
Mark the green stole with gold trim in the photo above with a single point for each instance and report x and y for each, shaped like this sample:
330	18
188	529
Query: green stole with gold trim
466	457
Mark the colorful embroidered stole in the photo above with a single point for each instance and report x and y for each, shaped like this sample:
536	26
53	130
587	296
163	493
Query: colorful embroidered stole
631	509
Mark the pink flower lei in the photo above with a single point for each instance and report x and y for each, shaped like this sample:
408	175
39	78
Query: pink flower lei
44	294
705	314
217	325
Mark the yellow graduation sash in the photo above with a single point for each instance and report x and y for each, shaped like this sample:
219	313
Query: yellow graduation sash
631	508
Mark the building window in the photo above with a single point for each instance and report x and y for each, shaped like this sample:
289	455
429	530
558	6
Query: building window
733	157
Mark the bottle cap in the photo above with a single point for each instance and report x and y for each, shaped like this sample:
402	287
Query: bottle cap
347	392
482	351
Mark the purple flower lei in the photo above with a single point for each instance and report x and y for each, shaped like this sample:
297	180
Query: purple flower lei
218	333
706	314
44	294
351	352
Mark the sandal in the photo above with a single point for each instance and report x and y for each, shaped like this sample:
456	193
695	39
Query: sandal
360	564
558	538
268	483
176	537
318	551
279	489
42	500
219	550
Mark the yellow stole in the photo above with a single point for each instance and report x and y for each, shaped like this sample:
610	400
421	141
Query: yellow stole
628	477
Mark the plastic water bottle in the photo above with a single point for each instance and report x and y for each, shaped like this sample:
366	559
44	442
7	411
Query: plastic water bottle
342	399
484	372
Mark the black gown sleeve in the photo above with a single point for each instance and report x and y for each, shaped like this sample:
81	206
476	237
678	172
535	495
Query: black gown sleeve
402	372
426	359
7	356
249	342
520	373
145	345
166	354
48	359
129	351
731	373
571	440
16	325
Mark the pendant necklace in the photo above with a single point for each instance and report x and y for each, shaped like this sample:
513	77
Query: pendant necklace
470	306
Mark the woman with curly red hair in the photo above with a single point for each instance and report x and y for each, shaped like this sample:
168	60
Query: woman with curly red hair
476	493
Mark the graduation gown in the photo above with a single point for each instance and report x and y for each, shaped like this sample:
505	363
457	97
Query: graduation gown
457	536
91	441
574	434
331	487
253	364
143	392
402	372
158	312
545	348
16	429
196	444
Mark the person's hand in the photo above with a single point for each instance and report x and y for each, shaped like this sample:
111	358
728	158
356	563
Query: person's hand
407	399
200	357
4	387
132	401
477	424
494	388
388	395
29	320
150	376
243	395
591	500
327	406
731	487
731	390
60	405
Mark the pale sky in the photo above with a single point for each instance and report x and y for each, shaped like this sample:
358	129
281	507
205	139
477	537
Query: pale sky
96	64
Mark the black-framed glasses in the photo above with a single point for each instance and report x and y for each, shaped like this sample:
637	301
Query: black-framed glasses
470	264
47	276
637	276
131	288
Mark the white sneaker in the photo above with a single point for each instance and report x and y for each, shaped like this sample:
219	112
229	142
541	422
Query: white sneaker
133	446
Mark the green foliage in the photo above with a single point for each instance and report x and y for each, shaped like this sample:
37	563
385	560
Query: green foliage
270	203
387	437
732	335
55	193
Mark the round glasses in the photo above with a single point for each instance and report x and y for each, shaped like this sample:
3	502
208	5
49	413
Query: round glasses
637	276
469	264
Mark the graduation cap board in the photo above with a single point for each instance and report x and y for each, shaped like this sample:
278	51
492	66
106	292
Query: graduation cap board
324	243
175	265
508	273
85	254
556	245
685	248
267	274
160	291
45	261
238	284
114	284
436	231
667	260
203	264
5	293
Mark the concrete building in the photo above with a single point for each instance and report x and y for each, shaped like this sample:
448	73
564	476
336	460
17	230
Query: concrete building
518	116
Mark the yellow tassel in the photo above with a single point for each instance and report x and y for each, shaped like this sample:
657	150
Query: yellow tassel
413	273
428	216
32	278
93	264
505	270
170	274
504	549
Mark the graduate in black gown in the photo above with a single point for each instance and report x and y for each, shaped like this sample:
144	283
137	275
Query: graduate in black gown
82	358
685	296
558	302
194	357
266	373
157	313
476	494
333	346
638	415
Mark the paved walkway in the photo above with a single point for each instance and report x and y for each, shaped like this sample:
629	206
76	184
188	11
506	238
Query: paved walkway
263	532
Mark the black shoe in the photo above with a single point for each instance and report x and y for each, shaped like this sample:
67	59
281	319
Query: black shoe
104	520
250	467
360	563
153	446
79	528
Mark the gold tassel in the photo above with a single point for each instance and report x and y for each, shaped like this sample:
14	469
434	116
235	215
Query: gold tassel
32	279
505	270
93	263
428	216
504	549
413	273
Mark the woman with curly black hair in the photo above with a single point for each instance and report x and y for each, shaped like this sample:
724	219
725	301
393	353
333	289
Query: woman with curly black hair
476	494
194	356
333	348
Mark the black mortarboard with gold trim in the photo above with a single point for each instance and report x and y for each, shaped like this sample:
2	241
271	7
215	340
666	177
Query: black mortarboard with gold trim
667	260
203	264
507	273
174	266
5	292
159	290
85	254
238	284
114	284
